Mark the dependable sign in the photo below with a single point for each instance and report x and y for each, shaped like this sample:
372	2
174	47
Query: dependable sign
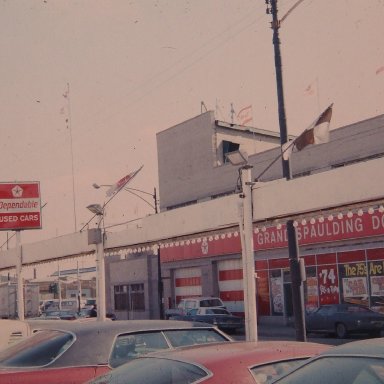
20	206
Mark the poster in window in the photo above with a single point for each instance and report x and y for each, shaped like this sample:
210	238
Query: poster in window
277	295
376	280
328	284
355	289
312	294
263	305
354	283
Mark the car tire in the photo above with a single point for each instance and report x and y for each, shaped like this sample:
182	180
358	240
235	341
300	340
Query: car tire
341	330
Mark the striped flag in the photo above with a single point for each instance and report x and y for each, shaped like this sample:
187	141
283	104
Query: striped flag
245	115
317	133
379	70
119	185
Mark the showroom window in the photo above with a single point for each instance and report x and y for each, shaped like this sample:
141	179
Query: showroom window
129	297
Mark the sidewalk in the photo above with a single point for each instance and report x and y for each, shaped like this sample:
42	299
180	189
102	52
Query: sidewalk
276	330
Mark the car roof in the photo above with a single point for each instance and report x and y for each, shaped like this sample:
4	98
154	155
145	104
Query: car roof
98	351
199	298
113	326
242	353
367	347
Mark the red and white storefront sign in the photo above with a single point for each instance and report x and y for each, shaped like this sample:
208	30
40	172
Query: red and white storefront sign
20	206
187	283
319	232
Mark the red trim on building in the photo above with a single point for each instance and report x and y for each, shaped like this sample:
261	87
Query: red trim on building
375	254
187	281
278	263
326	258
233	274
232	295
347	257
309	260
355	227
261	264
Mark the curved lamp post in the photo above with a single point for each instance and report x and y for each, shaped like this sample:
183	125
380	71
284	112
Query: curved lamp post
135	191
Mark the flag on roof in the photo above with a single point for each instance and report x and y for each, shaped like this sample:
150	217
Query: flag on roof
310	90
119	185
379	70
245	115
317	133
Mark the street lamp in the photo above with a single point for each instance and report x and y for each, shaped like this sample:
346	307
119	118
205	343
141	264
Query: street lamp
95	236
240	158
96	208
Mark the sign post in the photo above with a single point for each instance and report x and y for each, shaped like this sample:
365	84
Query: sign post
20	208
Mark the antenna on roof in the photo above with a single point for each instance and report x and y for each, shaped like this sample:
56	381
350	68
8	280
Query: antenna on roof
232	114
202	105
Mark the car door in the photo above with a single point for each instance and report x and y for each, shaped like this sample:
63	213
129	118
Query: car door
319	320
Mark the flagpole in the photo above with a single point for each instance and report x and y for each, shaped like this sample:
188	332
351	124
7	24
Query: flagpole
69	126
277	158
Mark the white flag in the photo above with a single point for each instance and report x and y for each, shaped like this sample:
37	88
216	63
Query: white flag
317	133
122	182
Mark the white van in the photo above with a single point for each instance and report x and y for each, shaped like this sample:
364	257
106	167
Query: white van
189	303
66	305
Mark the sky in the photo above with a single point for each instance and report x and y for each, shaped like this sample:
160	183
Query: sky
87	84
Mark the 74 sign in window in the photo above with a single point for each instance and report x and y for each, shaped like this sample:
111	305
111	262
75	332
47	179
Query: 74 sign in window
328	284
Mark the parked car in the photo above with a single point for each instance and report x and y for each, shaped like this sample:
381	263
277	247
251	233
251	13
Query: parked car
186	304
344	319
75	351
61	315
88	303
61	305
220	317
87	313
356	362
239	362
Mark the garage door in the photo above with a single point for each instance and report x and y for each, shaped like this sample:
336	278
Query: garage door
187	283
231	285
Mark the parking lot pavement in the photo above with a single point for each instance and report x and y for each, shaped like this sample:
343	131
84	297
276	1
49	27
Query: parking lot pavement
287	332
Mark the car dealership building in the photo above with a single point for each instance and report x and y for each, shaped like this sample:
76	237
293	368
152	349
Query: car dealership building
335	198
342	245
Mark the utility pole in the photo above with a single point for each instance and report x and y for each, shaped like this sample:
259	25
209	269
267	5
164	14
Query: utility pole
160	287
296	267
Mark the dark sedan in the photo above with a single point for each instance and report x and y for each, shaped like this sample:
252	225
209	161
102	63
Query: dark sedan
357	362
344	319
220	317
75	351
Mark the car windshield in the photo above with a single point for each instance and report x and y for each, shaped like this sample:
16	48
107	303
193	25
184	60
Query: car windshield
183	337
154	371
41	349
265	374
133	345
338	370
